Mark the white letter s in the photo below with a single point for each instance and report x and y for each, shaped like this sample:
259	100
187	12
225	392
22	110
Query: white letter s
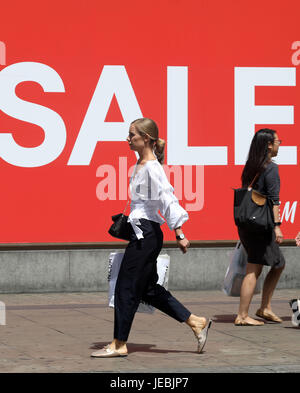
52	124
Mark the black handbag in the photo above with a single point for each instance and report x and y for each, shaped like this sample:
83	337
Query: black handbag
252	210
120	228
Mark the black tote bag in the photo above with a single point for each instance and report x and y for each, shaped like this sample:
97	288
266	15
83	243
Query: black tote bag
252	210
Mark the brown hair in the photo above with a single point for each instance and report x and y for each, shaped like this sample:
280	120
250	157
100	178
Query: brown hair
149	127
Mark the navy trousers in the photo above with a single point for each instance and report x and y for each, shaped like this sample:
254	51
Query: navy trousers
137	280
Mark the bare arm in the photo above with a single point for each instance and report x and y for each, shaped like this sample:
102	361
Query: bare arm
278	233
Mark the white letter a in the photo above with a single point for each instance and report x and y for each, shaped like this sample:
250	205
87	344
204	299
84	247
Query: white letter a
113	80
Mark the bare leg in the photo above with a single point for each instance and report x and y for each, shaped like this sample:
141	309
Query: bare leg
269	286
247	290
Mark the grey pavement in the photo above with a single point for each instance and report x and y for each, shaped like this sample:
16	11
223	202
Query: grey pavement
56	333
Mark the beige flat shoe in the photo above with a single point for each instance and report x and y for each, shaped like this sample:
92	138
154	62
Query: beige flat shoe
242	322
202	336
106	352
269	316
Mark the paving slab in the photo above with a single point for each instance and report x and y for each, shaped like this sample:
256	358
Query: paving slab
56	333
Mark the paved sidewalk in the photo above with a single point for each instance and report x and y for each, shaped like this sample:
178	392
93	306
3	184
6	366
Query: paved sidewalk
57	332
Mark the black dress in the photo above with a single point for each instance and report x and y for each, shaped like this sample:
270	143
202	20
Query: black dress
262	248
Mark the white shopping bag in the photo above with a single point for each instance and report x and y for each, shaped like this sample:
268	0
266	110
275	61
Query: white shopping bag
236	272
295	306
115	260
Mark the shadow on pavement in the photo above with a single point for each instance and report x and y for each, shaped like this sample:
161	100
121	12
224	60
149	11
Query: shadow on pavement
230	318
224	318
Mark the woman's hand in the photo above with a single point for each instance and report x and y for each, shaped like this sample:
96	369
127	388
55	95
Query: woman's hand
298	240
183	244
278	234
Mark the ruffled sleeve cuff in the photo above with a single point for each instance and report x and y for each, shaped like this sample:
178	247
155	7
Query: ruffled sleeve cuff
175	215
169	206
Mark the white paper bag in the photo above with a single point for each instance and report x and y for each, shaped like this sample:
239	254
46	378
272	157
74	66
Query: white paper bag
236	272
295	306
115	260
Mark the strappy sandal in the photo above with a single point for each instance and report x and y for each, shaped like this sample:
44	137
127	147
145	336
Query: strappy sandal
242	322
268	316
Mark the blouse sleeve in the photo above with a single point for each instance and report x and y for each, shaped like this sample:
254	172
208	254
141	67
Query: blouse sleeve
272	183
169	206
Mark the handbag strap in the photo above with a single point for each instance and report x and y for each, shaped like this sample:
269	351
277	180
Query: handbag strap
126	206
131	179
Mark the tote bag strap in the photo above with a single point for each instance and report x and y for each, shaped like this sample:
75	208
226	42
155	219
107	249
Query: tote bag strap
253	181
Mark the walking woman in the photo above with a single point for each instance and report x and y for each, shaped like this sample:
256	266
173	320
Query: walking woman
137	280
262	248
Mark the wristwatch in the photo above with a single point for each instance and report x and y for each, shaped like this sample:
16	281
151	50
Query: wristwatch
180	237
277	223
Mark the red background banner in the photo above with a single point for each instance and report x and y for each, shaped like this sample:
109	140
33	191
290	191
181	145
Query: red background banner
59	201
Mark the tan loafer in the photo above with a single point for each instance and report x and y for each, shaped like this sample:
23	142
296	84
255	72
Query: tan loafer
268	316
106	352
202	336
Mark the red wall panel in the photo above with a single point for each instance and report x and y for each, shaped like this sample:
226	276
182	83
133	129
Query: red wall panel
58	201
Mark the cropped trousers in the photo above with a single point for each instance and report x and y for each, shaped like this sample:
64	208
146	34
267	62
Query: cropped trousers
137	280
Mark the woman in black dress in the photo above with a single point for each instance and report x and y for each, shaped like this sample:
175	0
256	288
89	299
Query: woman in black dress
262	248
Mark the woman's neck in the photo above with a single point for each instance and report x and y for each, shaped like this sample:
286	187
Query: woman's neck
145	155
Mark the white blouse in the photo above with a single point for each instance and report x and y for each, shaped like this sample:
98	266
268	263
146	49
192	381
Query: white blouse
151	191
